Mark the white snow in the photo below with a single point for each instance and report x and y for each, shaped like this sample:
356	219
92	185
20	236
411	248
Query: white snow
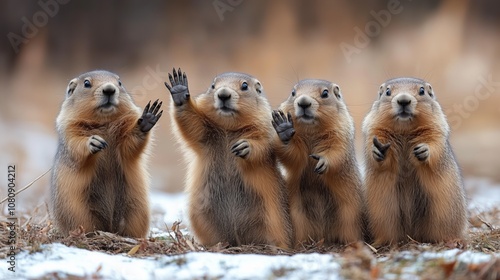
65	261
483	193
172	206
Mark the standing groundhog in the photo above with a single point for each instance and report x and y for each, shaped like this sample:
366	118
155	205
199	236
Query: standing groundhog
315	144
99	178
236	193
413	184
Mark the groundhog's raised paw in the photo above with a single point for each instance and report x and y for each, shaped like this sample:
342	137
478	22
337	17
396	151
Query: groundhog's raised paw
150	116
283	125
421	151
379	149
96	143
241	148
321	165
179	87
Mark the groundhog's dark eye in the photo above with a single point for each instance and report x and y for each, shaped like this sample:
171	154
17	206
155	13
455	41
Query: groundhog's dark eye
388	92
119	83
244	86
87	84
421	91
213	86
324	94
293	92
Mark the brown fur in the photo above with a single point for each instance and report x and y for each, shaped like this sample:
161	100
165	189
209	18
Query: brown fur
106	190
239	200
423	199
328	205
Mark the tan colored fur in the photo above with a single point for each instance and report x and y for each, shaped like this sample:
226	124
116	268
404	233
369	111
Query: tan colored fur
405	196
107	190
323	206
232	199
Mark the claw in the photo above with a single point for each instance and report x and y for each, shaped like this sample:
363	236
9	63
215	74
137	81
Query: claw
185	79
321	165
146	109
181	81
282	115
381	147
316	157
274	125
176	77
168	87
172	82
157	108
154	105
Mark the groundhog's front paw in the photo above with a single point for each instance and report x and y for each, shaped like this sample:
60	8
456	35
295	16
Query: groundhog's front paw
150	116
179	88
283	125
421	151
321	166
96	143
241	148
379	149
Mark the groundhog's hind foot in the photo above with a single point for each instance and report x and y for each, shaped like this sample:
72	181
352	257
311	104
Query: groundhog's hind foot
241	148
421	151
150	116
283	125
379	149
95	143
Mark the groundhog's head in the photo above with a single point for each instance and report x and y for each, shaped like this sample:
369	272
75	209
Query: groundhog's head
96	93
407	101
314	101
233	98
405	104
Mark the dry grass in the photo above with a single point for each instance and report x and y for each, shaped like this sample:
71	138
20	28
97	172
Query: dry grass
359	260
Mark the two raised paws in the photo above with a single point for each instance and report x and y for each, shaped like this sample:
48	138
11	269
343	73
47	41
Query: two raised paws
96	144
283	125
322	164
379	150
241	148
150	116
421	151
179	87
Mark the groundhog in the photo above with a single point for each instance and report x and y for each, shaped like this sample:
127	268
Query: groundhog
315	144
99	178
413	183
236	193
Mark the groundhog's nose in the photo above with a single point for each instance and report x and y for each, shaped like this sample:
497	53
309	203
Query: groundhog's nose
304	104
224	95
404	101
109	90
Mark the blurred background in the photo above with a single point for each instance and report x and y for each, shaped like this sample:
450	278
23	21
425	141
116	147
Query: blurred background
455	45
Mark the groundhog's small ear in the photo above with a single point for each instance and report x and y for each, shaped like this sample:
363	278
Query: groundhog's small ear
258	87
380	90
71	87
336	91
431	91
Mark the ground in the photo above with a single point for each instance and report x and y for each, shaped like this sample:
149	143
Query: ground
170	252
